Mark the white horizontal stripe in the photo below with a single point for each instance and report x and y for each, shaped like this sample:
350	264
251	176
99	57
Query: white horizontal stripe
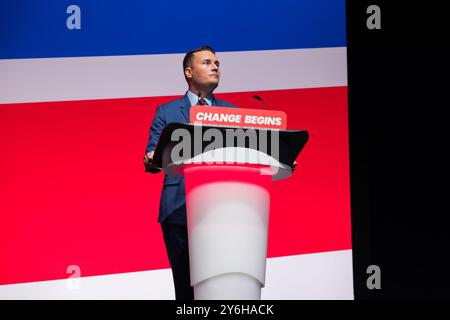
86	78
320	276
155	284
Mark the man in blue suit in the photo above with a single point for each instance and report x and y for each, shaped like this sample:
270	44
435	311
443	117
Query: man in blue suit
202	72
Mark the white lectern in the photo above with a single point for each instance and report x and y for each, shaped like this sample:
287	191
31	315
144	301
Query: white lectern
228	201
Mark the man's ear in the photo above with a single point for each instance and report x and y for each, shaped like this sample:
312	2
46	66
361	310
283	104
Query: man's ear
188	72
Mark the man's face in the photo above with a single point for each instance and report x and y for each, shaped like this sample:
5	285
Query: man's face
204	71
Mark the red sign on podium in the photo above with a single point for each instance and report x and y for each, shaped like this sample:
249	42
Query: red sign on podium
238	117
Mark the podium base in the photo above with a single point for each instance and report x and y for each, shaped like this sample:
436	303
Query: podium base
232	286
227	216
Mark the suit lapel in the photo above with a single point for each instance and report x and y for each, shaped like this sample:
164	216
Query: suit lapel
184	107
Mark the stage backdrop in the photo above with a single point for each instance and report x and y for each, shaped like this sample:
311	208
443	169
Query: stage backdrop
79	84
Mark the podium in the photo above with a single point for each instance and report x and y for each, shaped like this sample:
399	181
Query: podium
227	200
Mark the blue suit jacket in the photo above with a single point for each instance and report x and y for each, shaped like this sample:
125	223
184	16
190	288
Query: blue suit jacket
172	207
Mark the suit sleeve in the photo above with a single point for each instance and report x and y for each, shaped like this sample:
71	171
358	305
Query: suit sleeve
157	126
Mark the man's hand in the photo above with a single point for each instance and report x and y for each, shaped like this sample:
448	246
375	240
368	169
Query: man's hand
148	163
294	165
148	158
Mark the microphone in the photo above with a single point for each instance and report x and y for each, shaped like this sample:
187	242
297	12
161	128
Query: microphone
260	99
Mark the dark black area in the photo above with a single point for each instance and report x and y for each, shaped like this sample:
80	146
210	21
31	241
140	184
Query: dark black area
398	78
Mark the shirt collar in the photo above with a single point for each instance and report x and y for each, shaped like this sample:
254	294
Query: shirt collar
193	98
